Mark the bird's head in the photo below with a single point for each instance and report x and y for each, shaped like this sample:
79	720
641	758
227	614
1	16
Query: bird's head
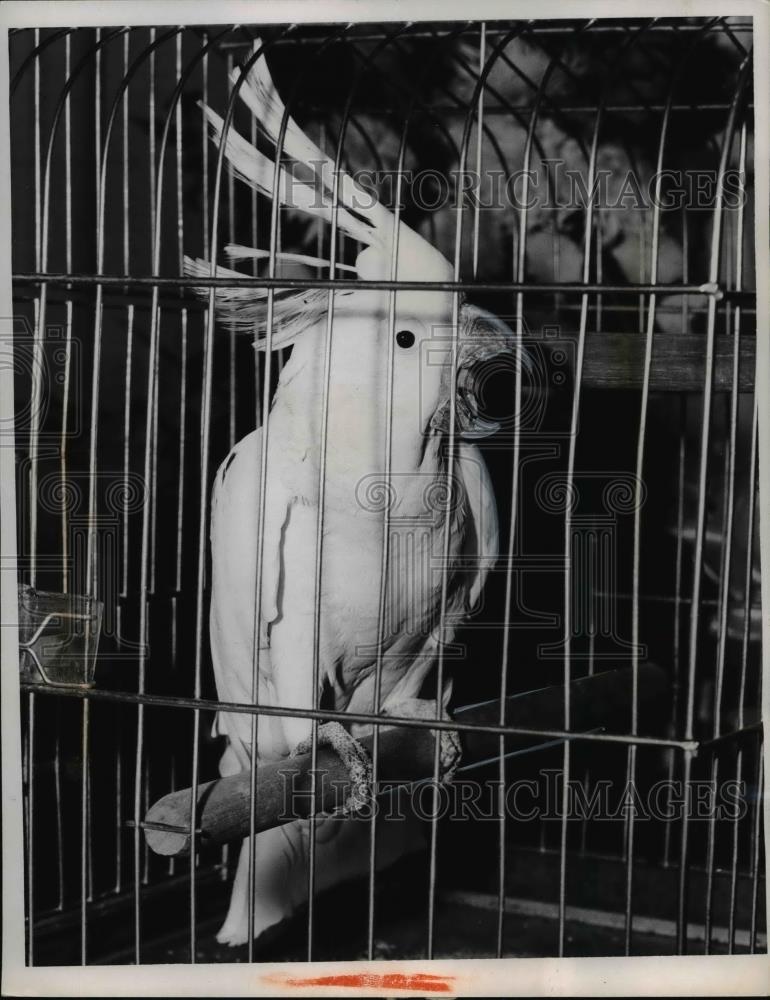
407	351
431	344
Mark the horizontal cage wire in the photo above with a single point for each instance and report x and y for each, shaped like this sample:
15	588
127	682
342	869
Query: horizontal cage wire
590	185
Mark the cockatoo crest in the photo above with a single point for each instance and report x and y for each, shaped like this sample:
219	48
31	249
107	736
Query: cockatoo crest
390	251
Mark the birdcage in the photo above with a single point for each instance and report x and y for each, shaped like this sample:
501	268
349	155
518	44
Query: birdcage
592	183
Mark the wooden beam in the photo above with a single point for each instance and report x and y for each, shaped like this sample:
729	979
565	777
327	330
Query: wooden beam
616	360
405	755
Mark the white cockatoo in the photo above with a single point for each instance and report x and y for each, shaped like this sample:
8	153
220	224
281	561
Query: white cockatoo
362	397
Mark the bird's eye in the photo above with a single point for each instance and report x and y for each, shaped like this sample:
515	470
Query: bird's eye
405	339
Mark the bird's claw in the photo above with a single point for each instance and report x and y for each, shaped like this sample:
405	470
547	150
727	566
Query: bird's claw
353	756
450	750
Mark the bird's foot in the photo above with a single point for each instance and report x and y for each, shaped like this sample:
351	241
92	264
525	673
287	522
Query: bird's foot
450	752
353	756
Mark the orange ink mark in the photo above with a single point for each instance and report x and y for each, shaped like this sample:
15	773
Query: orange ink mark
372	980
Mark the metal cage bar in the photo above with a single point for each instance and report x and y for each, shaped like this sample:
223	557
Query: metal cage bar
493	96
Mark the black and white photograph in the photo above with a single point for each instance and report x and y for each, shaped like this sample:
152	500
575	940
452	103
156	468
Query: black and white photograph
385	435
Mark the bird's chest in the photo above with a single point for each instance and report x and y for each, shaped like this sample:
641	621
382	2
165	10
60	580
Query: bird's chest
382	570
381	537
340	439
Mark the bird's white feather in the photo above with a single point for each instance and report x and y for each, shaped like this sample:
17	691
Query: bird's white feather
259	92
258	171
247	309
236	252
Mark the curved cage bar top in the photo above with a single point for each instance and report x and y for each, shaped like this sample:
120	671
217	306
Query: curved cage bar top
588	183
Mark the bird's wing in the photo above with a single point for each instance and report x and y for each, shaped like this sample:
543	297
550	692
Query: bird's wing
483	541
234	521
287	635
234	552
294	634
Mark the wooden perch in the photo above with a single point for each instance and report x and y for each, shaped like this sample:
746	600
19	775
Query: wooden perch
406	754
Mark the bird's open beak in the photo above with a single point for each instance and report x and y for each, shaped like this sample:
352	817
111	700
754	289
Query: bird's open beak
482	338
